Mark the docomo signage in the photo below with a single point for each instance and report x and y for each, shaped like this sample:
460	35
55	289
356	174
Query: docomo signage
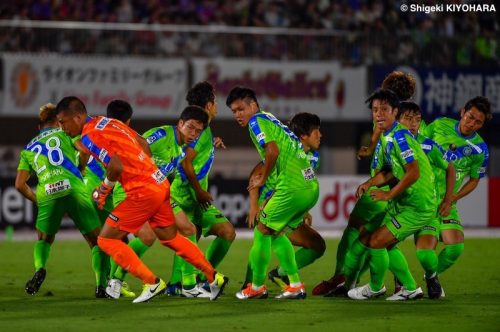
155	88
338	197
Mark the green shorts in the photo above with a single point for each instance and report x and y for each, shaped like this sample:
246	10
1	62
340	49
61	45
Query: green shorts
285	210
406	222
431	228
451	221
371	212
77	205
204	219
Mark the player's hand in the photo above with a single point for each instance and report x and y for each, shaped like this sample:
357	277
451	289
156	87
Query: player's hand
308	219
445	207
204	198
255	182
100	193
380	195
253	215
218	143
364	152
363	188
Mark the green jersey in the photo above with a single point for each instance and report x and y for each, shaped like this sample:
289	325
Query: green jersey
166	149
52	156
435	153
202	162
400	148
293	169
469	154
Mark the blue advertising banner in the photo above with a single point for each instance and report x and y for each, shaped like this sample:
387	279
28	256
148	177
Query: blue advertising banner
444	91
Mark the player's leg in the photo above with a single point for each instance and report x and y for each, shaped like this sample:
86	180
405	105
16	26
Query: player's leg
426	242
452	235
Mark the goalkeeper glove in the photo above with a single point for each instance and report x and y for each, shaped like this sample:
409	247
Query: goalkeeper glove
100	193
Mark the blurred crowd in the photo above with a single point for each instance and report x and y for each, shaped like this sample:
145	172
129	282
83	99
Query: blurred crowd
362	31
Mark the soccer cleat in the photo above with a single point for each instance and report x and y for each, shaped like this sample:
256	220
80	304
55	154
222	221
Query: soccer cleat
327	286
205	285
365	292
434	288
250	293
217	286
173	289
100	293
340	291
404	295
281	281
150	290
33	285
442	292
113	289
125	291
290	292
398	286
196	291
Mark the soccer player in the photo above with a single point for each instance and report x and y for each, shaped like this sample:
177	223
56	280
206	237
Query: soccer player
469	154
190	195
367	214
60	190
306	127
297	191
411	203
127	159
426	239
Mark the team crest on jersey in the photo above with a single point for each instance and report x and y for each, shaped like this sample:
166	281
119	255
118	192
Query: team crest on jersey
467	151
102	124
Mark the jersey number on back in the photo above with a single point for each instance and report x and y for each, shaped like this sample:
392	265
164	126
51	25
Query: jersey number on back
54	154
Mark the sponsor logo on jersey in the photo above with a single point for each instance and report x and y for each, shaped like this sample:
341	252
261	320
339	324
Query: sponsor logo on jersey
103	154
113	217
159	176
427	147
396	223
261	136
56	187
407	154
102	123
308	174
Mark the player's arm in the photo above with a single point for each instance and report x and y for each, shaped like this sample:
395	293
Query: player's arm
445	206
367	151
144	144
204	197
466	189
380	179
412	173
84	155
22	185
272	152
113	171
253	211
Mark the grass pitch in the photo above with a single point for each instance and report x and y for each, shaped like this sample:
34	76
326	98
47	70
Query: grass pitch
66	299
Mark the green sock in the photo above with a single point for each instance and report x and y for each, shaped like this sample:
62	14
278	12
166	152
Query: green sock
448	256
353	260
176	270
217	250
365	266
188	270
100	265
139	248
283	249
303	258
348	237
399	267
41	254
429	261
379	263
260	255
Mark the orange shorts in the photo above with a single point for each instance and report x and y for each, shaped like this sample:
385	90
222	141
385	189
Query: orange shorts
132	213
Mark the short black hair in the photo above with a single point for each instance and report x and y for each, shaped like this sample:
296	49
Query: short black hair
408	107
195	113
384	95
201	94
304	123
120	110
241	92
71	103
482	104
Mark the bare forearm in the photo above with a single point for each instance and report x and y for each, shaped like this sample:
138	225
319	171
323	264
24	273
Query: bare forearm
466	189
450	181
26	191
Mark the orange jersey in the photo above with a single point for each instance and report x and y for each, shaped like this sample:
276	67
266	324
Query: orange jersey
105	138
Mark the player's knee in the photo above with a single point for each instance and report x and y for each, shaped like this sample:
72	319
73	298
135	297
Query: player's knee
227	232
